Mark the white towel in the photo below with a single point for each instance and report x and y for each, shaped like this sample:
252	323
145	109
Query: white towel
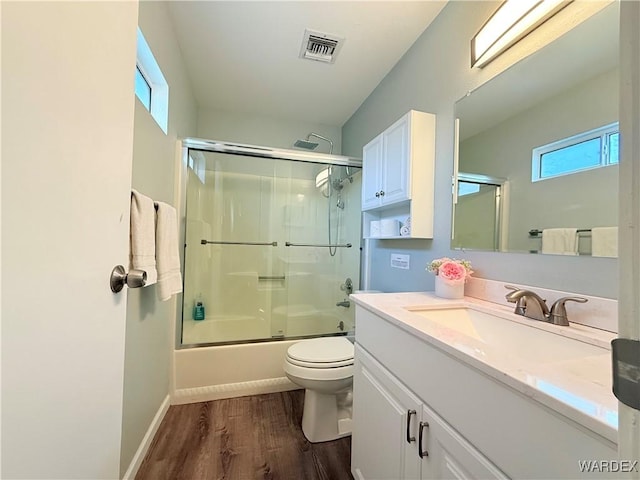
167	254
604	241
560	241
142	236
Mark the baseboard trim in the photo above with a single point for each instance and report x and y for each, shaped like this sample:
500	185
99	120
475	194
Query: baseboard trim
231	390
134	466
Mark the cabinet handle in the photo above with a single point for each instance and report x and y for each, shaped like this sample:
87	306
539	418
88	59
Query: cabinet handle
409	437
422	453
382	193
377	194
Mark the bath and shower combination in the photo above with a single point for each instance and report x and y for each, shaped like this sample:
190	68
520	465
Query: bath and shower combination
259	224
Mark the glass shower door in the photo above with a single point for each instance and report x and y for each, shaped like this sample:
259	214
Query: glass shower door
322	255
256	257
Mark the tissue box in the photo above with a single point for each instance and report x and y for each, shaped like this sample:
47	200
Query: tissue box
389	227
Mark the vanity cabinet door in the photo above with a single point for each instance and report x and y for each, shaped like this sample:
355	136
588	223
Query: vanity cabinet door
381	422
372	173
446	455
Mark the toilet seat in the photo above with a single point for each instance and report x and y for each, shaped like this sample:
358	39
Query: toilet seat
326	352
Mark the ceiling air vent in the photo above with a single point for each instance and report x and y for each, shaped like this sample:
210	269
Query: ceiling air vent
321	47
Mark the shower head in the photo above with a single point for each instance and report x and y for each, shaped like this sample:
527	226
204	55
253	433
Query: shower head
306	144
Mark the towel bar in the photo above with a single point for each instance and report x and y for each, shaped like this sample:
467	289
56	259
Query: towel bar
536	231
289	244
220	242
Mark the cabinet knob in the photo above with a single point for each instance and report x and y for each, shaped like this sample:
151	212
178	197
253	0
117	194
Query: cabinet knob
382	193
377	194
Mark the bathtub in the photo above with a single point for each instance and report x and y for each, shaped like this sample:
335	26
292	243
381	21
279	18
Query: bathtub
203	373
224	328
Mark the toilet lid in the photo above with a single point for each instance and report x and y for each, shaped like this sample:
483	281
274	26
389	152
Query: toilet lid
325	350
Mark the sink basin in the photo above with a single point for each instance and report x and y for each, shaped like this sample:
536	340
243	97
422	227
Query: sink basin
507	336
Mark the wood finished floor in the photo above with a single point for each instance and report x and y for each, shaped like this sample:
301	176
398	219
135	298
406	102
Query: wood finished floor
246	438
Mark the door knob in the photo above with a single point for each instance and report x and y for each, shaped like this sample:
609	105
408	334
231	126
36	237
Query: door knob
119	278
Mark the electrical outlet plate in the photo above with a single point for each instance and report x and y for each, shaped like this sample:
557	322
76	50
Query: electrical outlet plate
400	261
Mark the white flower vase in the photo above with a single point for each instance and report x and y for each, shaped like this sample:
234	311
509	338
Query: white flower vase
449	289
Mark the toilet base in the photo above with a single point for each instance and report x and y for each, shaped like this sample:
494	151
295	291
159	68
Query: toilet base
326	416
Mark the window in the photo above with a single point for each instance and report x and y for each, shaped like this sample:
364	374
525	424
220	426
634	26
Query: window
592	149
150	86
465	188
143	89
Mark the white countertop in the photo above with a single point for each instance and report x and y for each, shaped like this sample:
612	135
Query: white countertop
579	389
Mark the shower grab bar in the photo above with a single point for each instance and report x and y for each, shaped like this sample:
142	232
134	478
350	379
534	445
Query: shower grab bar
220	242
289	244
271	278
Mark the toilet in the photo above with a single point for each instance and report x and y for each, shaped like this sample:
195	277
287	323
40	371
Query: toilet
324	368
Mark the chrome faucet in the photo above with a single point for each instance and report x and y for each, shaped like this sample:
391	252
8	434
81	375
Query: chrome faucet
528	304
531	305
558	313
345	303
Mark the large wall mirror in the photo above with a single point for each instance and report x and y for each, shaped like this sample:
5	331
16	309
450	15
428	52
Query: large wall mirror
538	149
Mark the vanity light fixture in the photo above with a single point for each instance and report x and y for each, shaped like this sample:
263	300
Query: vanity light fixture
511	22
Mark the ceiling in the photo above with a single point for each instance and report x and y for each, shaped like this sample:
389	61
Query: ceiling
243	56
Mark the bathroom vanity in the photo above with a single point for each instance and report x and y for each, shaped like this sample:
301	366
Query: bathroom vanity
467	389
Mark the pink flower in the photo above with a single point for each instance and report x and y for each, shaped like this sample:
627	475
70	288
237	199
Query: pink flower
453	271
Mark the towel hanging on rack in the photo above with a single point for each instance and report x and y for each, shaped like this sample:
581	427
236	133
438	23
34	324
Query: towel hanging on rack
560	241
167	254
142	237
604	242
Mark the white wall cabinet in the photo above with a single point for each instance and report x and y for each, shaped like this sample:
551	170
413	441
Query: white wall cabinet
396	436
398	169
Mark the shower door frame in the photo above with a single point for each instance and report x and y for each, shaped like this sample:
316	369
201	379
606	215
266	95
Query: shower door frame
499	206
240	149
